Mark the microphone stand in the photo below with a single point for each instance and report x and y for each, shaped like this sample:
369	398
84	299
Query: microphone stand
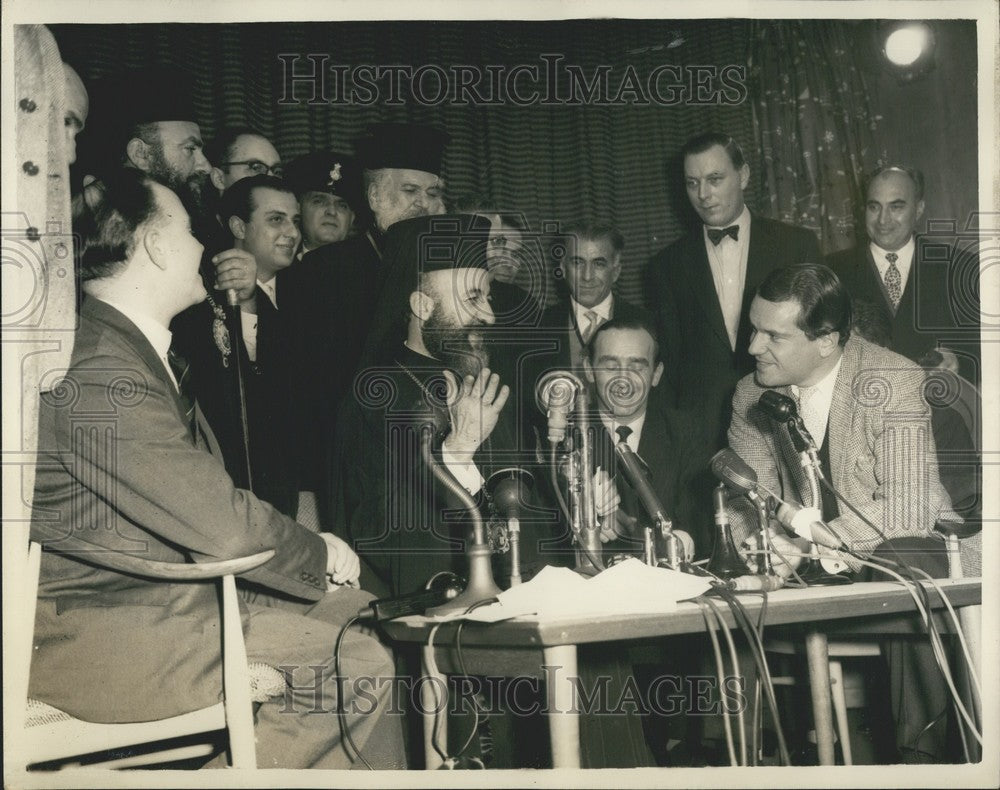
236	335
481	586
813	573
589	532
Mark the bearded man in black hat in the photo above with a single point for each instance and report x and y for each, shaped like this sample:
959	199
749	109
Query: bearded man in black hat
332	292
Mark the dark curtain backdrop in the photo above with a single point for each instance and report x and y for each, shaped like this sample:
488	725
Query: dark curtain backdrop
557	163
551	162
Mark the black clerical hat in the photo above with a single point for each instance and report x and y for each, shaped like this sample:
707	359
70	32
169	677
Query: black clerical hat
405	146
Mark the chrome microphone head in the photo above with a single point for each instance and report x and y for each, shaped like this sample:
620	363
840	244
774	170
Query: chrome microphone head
734	471
557	389
778	407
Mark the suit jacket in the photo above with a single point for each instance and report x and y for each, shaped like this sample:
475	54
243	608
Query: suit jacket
674	451
701	367
937	305
881	449
269	387
119	472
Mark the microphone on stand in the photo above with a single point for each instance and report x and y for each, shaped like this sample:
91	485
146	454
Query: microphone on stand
783	409
740	477
509	488
555	394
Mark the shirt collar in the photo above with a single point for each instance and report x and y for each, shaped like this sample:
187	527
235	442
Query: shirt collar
742	221
269	289
825	386
157	334
611	424
603	309
904	253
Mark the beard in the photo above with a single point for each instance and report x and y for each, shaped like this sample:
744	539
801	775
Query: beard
196	192
459	348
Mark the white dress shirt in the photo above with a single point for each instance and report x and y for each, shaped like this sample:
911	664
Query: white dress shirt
728	262
815	401
249	320
603	311
612	425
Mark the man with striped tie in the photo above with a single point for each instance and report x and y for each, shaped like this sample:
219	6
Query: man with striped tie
922	296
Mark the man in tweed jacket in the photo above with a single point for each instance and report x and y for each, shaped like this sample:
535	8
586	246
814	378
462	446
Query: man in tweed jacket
864	406
872	423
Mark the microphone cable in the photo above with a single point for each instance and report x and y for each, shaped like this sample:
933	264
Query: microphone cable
755	640
341	712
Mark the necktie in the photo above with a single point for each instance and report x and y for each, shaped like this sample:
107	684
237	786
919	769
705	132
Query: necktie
182	372
592	321
809	410
623	432
893	280
716	235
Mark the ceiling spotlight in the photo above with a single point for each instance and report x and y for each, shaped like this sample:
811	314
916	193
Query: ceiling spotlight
908	48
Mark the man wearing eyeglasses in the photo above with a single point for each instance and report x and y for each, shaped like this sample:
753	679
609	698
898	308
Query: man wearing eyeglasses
239	152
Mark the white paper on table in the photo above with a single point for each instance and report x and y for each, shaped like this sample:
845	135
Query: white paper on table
630	587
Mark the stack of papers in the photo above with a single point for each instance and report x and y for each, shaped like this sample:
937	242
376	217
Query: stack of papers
630	587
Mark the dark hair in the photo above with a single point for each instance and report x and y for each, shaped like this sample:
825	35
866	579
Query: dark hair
106	217
701	143
639	321
220	149
825	304
596	231
914	175
237	201
871	322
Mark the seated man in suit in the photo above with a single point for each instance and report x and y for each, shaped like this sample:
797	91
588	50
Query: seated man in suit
865	408
127	464
624	365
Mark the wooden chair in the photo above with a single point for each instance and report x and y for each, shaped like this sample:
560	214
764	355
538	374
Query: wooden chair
50	735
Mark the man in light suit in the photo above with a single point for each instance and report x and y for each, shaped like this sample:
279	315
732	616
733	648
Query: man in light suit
128	464
865	408
928	303
702	284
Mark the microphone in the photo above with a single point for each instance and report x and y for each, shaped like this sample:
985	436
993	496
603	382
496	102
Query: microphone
555	394
734	471
806	522
781	408
640	482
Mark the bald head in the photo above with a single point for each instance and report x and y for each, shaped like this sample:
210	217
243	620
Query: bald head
77	104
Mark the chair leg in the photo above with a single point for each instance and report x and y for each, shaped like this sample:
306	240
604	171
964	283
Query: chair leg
840	709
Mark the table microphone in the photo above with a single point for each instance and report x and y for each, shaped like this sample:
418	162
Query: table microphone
555	394
781	408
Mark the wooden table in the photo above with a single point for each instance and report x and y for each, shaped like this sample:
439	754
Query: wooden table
547	649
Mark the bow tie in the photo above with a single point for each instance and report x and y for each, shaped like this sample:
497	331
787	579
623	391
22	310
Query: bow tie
718	234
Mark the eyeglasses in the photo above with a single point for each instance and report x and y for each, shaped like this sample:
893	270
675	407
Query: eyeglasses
258	168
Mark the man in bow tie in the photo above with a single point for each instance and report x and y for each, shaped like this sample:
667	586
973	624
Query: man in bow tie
702	284
929	303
